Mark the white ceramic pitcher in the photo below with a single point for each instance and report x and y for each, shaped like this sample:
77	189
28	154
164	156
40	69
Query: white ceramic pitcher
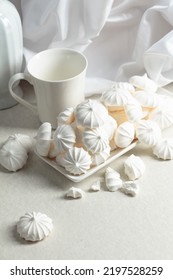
11	50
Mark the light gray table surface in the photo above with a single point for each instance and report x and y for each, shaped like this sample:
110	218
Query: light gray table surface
103	225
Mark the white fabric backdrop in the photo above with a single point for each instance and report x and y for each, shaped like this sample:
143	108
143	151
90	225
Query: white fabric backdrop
120	38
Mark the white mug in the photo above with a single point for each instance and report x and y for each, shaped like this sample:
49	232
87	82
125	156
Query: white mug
58	78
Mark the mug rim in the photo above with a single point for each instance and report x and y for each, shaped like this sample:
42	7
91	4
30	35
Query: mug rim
60	50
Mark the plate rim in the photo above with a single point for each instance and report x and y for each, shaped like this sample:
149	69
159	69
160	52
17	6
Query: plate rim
78	178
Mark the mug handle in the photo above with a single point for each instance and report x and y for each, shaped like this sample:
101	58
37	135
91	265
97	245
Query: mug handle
12	81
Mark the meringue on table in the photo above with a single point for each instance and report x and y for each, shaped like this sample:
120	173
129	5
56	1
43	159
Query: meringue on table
130	188
13	155
74	192
34	226
112	179
134	167
164	149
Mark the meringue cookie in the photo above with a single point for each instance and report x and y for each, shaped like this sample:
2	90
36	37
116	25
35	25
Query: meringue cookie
164	149
64	137
43	146
163	114
134	167
124	85
147	99
130	188
124	134
112	144
91	114
75	193
44	132
148	132
26	141
116	98
52	150
112	179
66	117
13	156
77	161
110	126
101	157
143	82
34	226
43	139
95	140
95	187
60	159
134	111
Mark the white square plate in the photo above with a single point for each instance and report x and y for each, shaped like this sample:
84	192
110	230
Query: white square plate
77	178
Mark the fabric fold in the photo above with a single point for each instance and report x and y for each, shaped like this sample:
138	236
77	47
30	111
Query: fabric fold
120	38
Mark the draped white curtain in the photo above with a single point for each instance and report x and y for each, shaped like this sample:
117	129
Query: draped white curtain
120	38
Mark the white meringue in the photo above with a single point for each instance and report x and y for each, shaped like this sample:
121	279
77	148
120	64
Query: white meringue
112	179
43	139
112	144
116	97
13	156
43	146
91	113
77	161
66	117
148	132
34	226
52	150
44	132
26	141
95	140
134	167
164	149
75	193
134	111
124	134
125	86
60	159
110	126
95	187
147	99
143	82
64	138
101	157
130	188
163	114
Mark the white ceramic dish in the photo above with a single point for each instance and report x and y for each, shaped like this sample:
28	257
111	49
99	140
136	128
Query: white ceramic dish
77	178
114	155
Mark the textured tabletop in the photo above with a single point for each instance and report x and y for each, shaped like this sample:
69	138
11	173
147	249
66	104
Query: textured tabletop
102	225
